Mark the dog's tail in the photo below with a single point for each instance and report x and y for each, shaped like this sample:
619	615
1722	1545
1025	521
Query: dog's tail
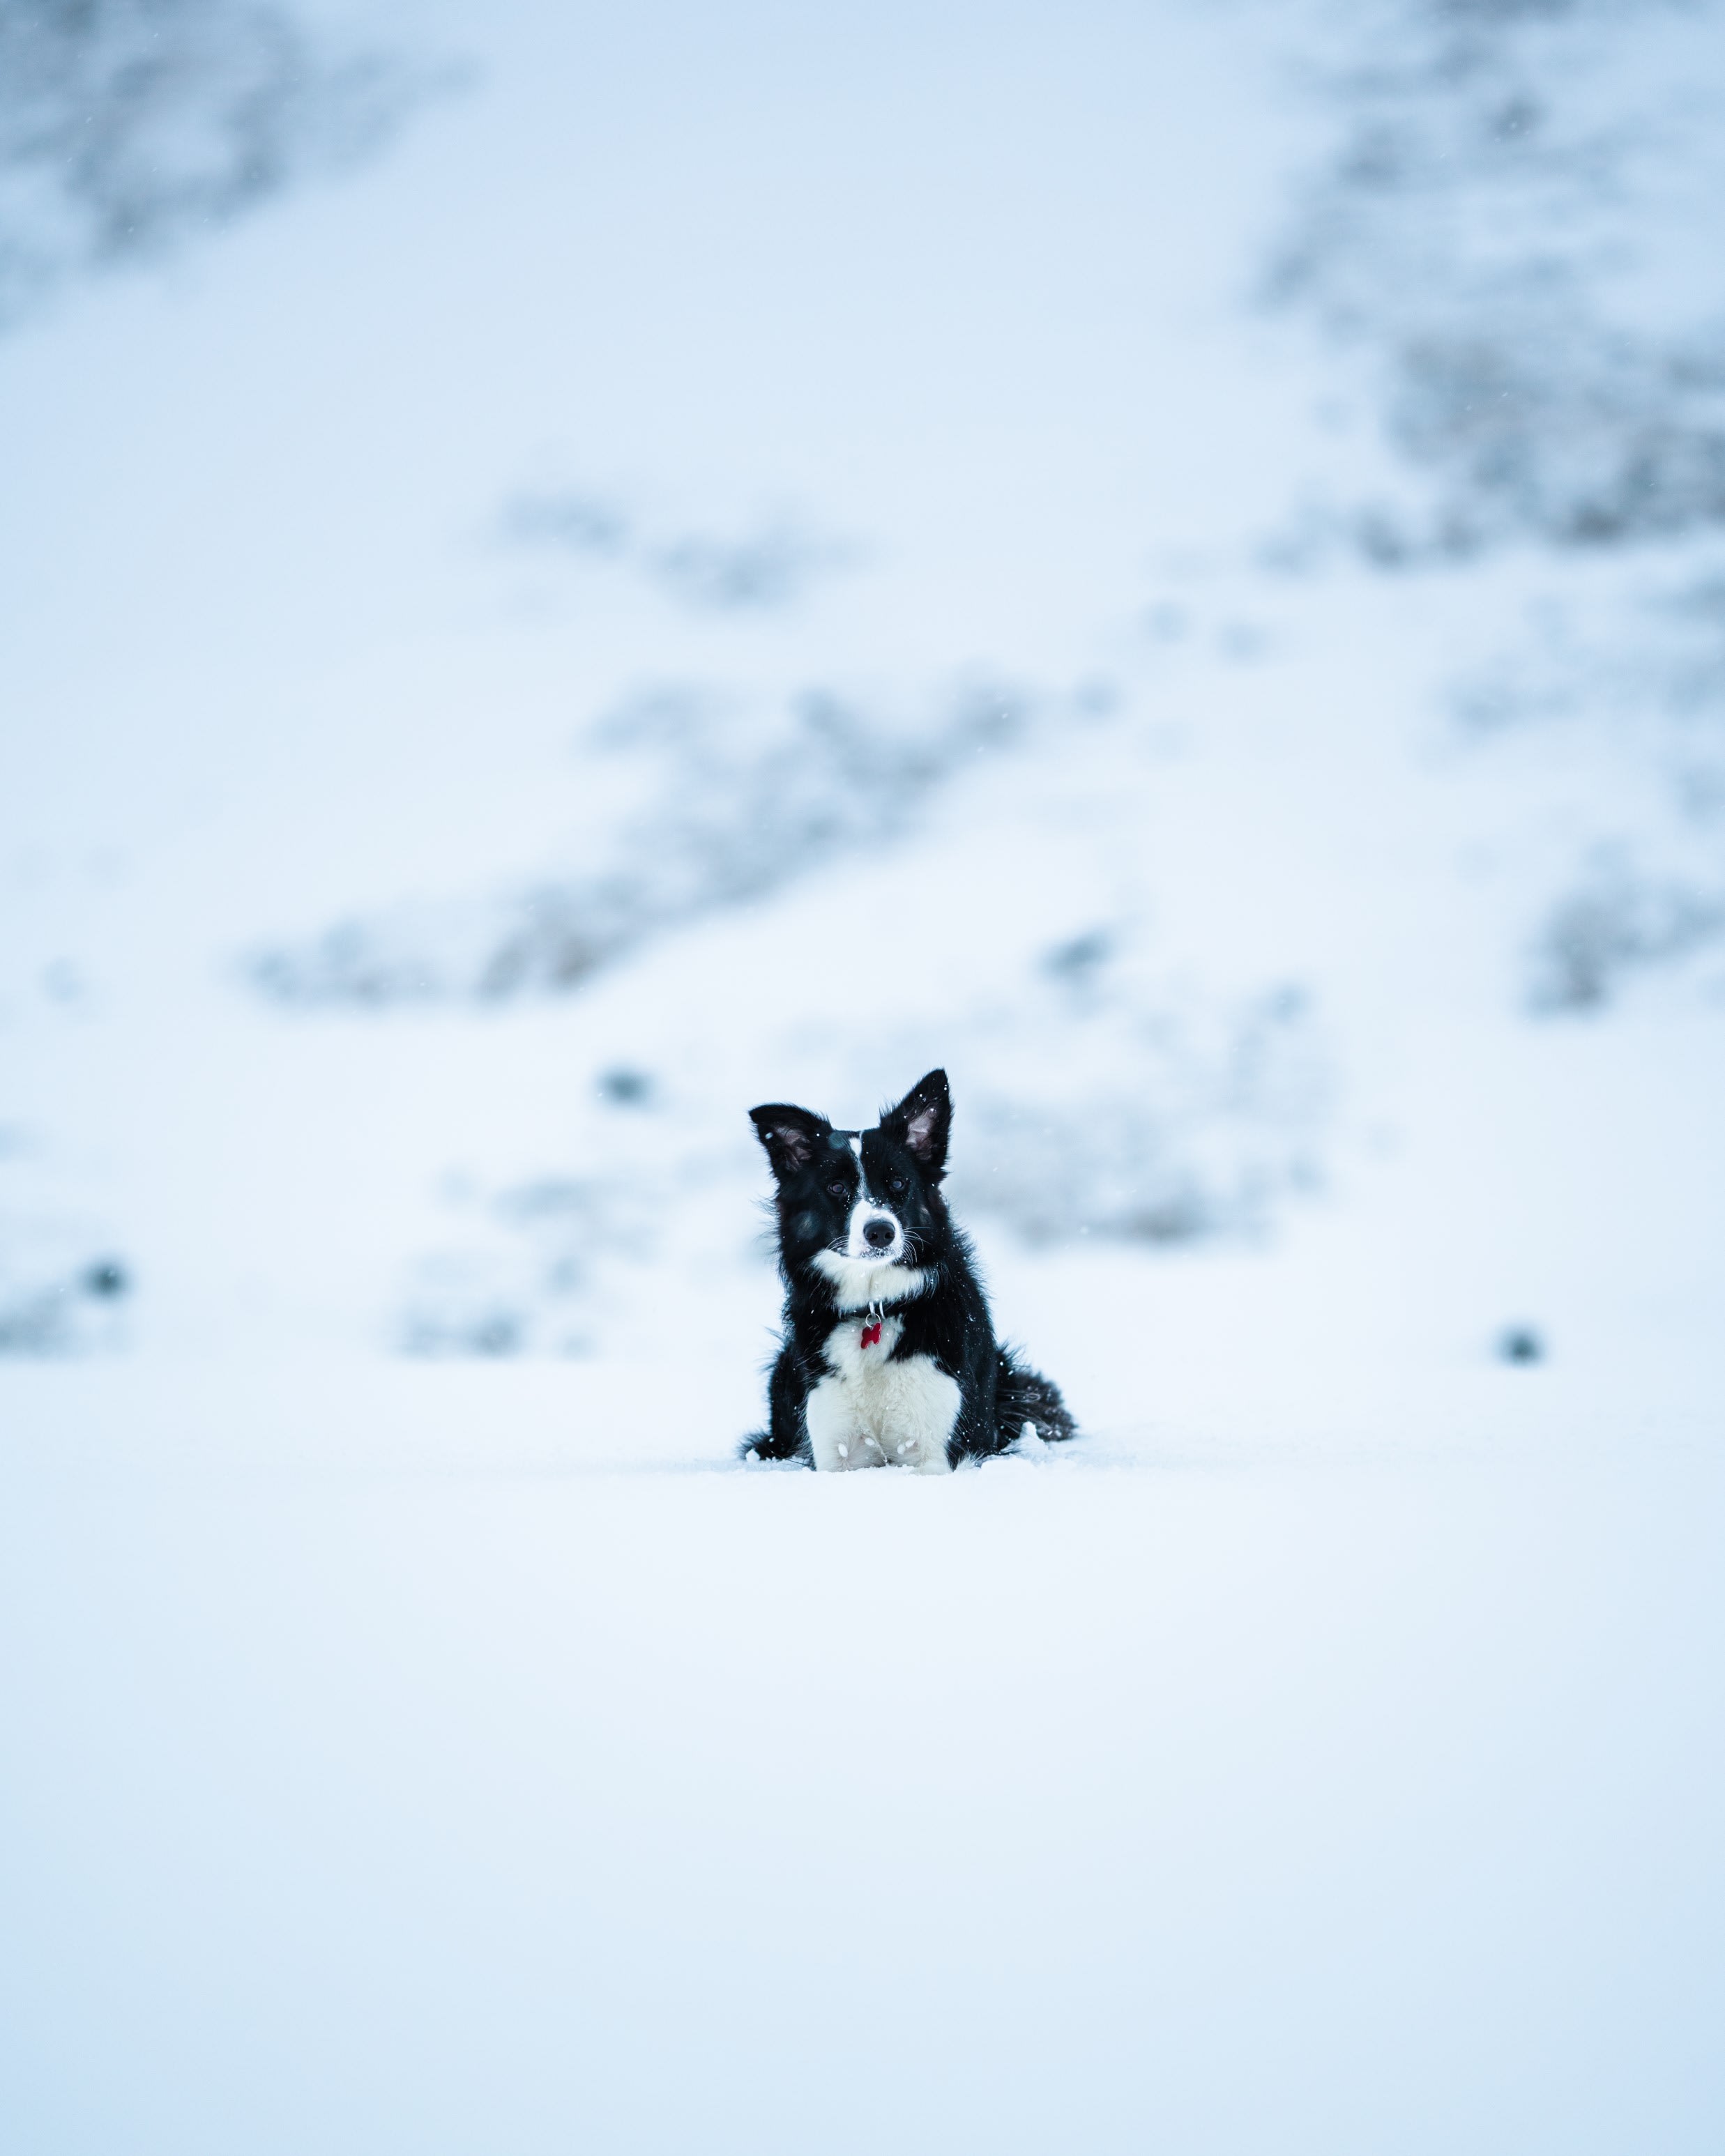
1023	1395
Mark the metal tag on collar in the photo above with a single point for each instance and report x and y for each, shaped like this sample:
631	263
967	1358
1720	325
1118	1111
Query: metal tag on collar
871	1330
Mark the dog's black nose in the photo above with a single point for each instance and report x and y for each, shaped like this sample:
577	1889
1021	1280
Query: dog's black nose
878	1234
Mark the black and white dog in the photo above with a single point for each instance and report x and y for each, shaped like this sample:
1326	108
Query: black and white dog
889	1357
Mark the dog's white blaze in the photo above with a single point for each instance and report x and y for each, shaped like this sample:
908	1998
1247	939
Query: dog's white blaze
857	1245
870	1411
860	1282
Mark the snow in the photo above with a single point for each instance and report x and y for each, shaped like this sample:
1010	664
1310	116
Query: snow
748	553
452	1762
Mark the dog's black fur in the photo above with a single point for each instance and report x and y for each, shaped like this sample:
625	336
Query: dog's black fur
896	1169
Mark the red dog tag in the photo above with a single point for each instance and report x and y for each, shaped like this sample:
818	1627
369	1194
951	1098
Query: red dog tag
870	1334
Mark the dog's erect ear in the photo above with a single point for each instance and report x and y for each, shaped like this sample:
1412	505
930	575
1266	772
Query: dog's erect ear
790	1135
922	1122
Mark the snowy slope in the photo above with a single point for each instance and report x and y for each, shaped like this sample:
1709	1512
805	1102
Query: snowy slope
750	552
448	1762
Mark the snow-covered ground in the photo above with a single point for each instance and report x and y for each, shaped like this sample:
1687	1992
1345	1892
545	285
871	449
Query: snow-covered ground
747	552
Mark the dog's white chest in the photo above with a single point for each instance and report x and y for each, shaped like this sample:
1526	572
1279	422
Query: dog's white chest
870	1411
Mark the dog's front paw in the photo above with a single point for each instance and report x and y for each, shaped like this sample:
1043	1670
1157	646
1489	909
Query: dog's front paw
928	1459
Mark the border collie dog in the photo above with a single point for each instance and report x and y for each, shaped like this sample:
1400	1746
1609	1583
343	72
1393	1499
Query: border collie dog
889	1357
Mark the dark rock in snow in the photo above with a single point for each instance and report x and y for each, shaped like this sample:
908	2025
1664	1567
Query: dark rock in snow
1520	1344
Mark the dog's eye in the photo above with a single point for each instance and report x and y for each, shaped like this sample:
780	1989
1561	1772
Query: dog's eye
839	1189
895	1183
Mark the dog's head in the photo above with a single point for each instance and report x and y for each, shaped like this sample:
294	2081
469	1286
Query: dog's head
860	1198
